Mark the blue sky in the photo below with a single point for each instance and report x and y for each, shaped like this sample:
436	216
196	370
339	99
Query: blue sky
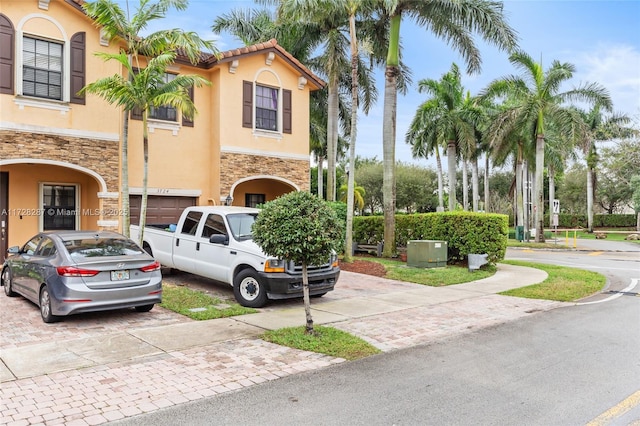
600	37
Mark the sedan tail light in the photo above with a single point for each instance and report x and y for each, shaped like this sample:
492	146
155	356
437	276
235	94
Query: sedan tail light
150	268
72	271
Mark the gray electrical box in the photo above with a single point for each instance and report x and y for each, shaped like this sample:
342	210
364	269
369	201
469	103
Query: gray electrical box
426	253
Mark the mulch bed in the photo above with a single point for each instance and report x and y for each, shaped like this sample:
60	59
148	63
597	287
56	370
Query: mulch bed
364	267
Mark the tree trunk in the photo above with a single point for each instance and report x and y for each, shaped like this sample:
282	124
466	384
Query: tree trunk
451	164
475	184
124	183
145	177
486	183
389	137
352	139
332	138
539	193
320	177
465	186
440	184
520	206
552	193
306	299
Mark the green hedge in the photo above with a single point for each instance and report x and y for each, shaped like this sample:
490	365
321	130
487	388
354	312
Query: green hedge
599	220
464	232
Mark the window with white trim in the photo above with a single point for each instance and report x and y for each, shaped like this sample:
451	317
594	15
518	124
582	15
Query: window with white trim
165	112
266	108
42	68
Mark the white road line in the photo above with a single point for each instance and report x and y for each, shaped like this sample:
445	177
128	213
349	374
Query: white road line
634	282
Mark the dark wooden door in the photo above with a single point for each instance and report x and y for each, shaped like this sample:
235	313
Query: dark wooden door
4	214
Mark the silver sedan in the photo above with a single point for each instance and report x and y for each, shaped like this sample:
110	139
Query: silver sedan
70	272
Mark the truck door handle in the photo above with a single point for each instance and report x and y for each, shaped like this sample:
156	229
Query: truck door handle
177	242
197	246
233	252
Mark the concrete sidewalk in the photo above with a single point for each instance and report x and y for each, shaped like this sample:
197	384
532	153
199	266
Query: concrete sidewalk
106	377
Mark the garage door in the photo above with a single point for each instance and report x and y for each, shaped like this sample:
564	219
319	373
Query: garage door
160	210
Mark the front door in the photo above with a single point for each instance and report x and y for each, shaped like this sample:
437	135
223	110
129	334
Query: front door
4	214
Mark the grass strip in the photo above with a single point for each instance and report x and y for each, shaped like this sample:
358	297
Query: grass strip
182	299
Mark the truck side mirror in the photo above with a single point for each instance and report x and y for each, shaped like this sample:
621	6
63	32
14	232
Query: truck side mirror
13	250
219	239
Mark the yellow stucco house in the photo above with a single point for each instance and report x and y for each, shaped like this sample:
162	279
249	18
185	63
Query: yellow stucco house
60	152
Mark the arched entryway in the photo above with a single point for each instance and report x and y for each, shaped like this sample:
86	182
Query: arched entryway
255	190
39	195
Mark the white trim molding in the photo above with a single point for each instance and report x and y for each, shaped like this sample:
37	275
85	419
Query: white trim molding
109	223
173	126
109	195
101	182
256	177
22	102
85	134
43	4
167	192
248	151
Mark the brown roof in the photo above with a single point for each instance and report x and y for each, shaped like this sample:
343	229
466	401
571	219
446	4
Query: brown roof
268	46
208	60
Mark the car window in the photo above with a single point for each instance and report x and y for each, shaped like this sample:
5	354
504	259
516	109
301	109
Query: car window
214	225
47	248
190	224
241	224
101	247
32	245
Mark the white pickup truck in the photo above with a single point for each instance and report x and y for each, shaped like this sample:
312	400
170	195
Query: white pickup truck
215	242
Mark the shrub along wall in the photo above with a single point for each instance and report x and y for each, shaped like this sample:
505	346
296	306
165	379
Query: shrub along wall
599	220
464	232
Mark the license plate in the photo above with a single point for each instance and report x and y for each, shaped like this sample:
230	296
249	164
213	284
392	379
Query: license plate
119	275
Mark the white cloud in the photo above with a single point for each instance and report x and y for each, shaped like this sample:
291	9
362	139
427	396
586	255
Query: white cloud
616	67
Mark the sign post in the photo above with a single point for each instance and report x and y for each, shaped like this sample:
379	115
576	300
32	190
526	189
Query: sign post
556	213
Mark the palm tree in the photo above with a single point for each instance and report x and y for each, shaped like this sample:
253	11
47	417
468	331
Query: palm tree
117	24
453	22
599	127
358	195
539	99
424	139
146	88
451	119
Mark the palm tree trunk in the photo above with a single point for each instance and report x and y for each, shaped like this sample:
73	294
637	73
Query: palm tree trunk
451	164
440	184
590	198
475	184
465	186
352	140
552	193
124	183
145	177
389	137
332	138
320	177
539	193
486	183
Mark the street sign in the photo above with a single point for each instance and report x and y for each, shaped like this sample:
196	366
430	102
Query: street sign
556	206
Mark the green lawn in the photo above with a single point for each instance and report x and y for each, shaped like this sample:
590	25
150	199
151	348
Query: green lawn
198	305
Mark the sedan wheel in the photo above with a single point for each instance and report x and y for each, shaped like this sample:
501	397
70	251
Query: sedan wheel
45	306
7	281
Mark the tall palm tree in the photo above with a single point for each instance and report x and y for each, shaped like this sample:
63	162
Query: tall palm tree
144	90
539	99
128	29
451	119
599	127
454	22
425	139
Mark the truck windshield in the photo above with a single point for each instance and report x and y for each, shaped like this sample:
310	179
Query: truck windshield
240	224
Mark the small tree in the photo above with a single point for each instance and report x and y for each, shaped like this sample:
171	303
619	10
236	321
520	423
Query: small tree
302	228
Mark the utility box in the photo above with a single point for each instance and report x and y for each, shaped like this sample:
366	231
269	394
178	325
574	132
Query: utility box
426	253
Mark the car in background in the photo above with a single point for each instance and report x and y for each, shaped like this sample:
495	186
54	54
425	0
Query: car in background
70	272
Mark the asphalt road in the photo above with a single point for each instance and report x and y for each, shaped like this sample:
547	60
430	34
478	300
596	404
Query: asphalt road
571	366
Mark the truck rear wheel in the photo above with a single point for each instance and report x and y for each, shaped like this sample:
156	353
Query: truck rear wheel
248	289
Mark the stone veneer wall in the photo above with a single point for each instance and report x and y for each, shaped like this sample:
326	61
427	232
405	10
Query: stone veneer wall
97	155
238	166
